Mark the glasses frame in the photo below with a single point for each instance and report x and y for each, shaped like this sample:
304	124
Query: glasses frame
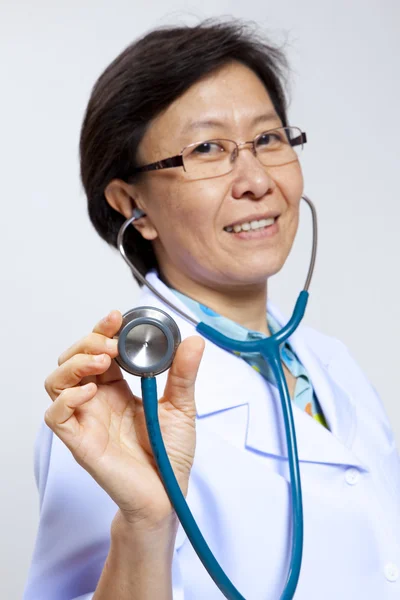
177	160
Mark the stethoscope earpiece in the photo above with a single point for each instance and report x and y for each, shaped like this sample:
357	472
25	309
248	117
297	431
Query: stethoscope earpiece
138	213
147	341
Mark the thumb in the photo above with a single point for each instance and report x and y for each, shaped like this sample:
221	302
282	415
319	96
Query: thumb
179	389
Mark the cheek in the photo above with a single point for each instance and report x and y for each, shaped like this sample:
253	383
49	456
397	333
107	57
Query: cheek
196	201
291	184
181	210
291	222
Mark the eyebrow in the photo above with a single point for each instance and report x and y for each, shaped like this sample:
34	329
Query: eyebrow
207	123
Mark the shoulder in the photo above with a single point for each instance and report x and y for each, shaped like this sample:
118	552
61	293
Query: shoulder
322	345
337	357
344	368
327	346
340	365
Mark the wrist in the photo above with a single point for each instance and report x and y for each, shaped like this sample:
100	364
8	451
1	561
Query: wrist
148	537
139	563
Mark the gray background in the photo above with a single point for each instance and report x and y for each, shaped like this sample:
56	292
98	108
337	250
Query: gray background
58	278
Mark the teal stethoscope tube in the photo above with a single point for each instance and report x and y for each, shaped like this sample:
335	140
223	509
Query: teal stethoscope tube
269	349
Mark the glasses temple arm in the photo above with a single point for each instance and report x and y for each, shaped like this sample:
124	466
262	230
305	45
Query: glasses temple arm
300	139
167	163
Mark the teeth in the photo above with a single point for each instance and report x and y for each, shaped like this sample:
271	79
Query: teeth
251	225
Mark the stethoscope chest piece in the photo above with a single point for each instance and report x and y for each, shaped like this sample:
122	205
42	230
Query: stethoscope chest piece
147	341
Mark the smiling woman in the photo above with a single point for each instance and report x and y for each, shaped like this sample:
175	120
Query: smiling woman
189	126
198	256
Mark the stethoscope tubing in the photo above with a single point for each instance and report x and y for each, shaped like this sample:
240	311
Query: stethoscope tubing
269	348
137	214
295	480
177	499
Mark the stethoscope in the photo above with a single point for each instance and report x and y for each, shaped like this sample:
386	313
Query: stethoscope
147	342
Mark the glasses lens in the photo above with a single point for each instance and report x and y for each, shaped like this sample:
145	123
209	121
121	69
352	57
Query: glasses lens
209	159
279	146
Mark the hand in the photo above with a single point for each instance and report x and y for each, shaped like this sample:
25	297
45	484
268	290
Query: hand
102	423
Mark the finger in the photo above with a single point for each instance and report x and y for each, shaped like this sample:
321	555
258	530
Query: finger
111	375
63	408
100	342
73	371
179	389
94	343
110	324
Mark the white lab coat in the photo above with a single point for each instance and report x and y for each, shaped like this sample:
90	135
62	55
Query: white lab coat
238	491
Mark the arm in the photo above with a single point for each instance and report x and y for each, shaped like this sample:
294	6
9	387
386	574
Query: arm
100	426
82	549
138	565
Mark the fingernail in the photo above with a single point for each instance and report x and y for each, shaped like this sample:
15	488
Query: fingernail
111	344
87	387
98	358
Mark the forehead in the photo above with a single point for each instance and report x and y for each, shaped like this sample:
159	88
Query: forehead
230	101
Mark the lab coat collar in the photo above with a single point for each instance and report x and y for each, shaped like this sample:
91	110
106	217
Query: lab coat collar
265	427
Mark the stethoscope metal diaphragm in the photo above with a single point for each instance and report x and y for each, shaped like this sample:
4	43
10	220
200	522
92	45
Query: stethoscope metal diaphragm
147	341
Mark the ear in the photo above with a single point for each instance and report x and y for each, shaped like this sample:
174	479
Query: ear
124	198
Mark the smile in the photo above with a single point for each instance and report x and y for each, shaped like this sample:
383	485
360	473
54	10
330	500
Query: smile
265	228
250	225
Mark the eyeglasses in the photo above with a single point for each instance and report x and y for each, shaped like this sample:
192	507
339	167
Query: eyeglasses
212	158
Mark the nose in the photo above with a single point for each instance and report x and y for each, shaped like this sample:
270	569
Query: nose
250	177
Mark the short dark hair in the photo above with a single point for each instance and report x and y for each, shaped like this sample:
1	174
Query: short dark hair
143	80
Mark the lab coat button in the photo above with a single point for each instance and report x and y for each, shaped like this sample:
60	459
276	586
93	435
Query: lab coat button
352	476
391	572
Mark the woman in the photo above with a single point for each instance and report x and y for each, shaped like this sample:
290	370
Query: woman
214	230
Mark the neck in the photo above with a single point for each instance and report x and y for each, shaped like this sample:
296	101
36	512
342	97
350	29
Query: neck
245	305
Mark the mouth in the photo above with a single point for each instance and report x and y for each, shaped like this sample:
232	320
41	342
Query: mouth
252	224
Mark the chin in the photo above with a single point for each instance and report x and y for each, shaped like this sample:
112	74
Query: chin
262	271
255	277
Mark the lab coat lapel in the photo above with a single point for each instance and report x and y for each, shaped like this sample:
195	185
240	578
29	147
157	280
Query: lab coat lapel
244	386
315	443
317	356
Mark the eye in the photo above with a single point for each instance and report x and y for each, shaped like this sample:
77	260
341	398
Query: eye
209	148
269	138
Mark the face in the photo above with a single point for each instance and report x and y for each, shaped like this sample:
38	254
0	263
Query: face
186	219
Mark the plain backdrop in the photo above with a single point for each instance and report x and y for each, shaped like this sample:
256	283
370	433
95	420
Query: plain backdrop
58	277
